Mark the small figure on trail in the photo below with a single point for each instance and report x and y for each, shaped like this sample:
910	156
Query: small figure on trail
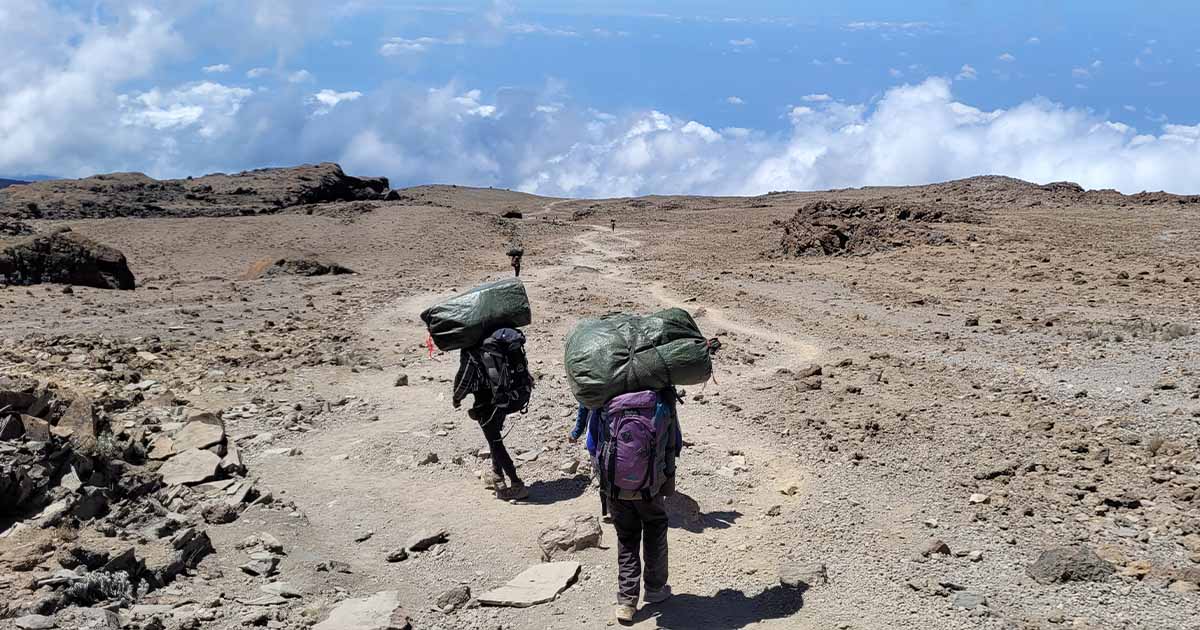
614	225
639	439
497	373
589	420
515	255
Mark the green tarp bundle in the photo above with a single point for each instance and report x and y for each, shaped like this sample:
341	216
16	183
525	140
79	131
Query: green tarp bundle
465	320
620	354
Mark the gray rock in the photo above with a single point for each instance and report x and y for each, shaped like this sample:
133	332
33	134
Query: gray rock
427	458
36	622
803	575
538	584
935	547
261	566
425	539
968	600
1070	564
399	555
454	598
197	434
401	380
190	467
232	462
282	589
98	619
381	611
574	533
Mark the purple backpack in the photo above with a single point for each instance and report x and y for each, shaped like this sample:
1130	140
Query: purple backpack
629	456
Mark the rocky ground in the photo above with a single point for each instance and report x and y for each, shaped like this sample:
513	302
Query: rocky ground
966	405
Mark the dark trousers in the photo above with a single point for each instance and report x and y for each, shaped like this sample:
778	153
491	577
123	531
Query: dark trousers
493	430
639	524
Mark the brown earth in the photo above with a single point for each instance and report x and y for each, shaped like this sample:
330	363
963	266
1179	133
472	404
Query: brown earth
1026	383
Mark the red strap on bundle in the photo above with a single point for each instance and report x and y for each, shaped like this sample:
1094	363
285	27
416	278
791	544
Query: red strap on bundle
429	344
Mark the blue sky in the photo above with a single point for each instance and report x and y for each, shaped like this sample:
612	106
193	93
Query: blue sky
609	98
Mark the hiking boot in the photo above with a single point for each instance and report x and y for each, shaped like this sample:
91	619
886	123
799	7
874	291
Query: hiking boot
657	597
515	493
492	481
625	613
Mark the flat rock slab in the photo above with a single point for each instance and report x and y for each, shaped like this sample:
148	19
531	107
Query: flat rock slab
381	611
197	434
538	584
190	467
35	622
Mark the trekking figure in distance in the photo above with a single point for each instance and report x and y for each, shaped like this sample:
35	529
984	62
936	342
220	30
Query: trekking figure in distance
614	225
589	420
639	441
497	373
515	255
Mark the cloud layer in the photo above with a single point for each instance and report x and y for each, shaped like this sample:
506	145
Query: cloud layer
79	104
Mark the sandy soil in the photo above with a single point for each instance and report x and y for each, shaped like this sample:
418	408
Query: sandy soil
1030	358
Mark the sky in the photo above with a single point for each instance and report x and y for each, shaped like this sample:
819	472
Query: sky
608	98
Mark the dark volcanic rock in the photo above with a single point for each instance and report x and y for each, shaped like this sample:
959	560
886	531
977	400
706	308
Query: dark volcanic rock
65	258
827	228
1070	564
302	266
259	191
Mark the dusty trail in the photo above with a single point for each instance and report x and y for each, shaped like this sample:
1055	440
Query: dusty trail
368	480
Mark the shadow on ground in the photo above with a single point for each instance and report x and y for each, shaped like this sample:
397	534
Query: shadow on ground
726	610
685	513
565	489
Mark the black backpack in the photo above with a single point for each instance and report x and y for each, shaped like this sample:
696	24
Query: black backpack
507	370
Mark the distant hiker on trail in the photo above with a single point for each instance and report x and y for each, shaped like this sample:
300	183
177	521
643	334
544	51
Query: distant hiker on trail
614	225
482	324
497	374
515	255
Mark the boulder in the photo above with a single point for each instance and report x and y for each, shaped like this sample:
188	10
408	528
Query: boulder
538	584
190	467
454	598
197	435
1070	564
381	611
65	258
574	533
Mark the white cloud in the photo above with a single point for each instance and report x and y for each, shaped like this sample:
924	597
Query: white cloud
342	43
207	106
735	100
1007	57
741	42
841	62
325	100
257	73
79	96
396	46
967	73
1081	73
539	29
816	98
887	26
300	76
1033	41
217	69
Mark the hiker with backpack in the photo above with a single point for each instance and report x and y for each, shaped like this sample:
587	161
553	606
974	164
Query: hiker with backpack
482	324
497	374
640	440
623	370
